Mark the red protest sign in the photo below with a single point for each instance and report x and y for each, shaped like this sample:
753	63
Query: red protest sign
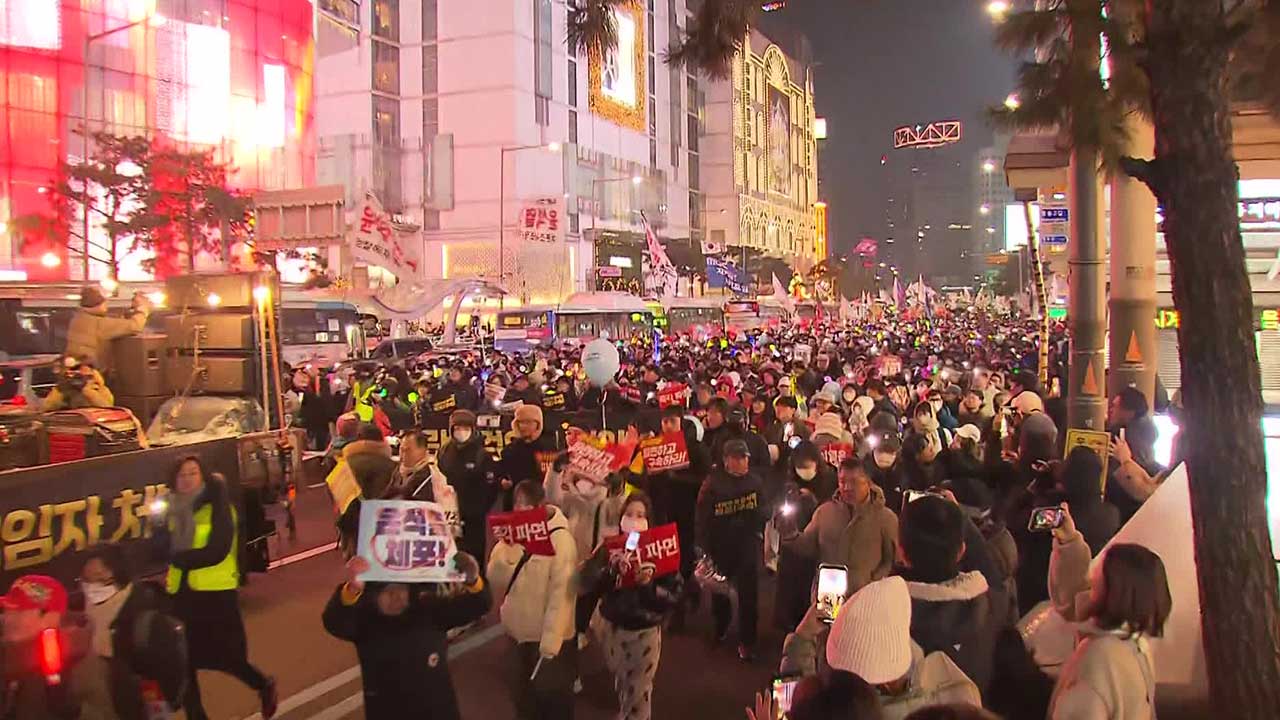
666	452
836	453
659	549
595	461
523	527
673	394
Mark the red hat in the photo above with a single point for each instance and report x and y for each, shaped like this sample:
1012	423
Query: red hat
35	592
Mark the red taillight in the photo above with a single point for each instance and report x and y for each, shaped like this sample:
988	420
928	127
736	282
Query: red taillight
51	656
19	400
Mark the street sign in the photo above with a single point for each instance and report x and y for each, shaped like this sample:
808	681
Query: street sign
1053	239
1054	215
608	271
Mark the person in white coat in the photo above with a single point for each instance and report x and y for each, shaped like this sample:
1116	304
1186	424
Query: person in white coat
1121	603
538	594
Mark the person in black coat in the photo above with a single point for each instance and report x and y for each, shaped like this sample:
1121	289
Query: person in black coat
400	636
1080	477
730	518
675	494
884	466
810	482
470	469
528	455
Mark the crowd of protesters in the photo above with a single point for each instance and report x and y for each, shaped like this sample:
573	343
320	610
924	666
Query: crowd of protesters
914	452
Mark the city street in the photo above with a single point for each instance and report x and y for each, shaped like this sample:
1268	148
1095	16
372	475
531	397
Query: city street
319	676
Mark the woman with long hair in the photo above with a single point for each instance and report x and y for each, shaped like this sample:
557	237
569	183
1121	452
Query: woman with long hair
204	581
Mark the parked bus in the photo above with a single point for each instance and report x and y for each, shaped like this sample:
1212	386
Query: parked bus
579	319
699	318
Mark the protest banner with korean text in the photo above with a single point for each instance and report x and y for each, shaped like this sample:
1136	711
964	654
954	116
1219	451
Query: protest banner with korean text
665	452
659	550
673	394
527	528
836	453
406	541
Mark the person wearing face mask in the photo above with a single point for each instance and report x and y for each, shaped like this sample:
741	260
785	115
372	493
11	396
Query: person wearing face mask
730	518
538	594
884	467
204	580
115	605
853	529
922	467
470	469
675	498
629	619
810	482
400	636
524	457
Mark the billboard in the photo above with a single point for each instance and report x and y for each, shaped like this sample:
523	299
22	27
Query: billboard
779	145
616	81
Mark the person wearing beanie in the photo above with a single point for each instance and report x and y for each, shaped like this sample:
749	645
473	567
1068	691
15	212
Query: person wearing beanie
828	428
885	468
470	470
529	453
91	330
871	639
853	529
823	402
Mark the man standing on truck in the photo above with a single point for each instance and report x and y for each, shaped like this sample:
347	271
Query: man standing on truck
91	330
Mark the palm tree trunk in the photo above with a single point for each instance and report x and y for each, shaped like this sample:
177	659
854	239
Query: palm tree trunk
1195	178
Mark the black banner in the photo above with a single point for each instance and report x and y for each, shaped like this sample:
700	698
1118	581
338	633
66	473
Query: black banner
49	515
497	430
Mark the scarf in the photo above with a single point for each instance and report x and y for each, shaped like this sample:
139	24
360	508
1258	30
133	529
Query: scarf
102	616
182	521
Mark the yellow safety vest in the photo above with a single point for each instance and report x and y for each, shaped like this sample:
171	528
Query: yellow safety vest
223	576
362	405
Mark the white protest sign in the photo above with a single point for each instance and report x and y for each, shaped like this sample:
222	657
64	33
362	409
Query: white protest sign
374	241
406	541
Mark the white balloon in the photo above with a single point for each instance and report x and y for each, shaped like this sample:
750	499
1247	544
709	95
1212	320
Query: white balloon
600	360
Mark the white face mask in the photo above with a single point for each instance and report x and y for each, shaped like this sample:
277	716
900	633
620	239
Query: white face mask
462	435
806	473
884	461
98	593
631	524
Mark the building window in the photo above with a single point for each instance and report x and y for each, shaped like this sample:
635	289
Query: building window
430	118
693	132
542	111
573	126
429	10
386	19
542	34
653	153
430	69
386	68
386	121
573	83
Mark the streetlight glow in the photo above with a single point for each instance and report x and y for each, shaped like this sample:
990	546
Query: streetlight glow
636	180
997	9
1012	102
984	209
554	146
109	284
50	260
988	166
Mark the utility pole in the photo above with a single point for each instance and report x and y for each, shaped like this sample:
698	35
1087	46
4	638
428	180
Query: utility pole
1086	398
1133	351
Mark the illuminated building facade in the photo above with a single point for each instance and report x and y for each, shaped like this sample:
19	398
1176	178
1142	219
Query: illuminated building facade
760	157
460	114
234	76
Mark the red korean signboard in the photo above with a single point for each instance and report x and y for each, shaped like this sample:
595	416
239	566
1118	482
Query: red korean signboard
666	452
523	527
659	550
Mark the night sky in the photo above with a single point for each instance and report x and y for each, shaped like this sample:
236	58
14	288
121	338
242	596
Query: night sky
887	63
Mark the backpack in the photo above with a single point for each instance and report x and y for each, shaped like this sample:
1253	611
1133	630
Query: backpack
158	651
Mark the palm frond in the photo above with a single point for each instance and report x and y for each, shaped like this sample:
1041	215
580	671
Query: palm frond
592	27
712	38
1027	30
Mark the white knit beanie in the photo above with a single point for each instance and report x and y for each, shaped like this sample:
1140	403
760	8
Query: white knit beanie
871	636
829	424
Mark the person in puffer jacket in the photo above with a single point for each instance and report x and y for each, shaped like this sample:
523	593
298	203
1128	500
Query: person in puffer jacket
629	620
871	638
951	611
537	612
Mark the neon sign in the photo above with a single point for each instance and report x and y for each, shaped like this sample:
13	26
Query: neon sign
935	134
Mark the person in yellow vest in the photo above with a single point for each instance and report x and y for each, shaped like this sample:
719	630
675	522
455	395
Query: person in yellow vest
204	583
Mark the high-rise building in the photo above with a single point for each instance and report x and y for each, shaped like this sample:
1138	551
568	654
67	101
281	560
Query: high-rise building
994	197
759	156
230	76
465	117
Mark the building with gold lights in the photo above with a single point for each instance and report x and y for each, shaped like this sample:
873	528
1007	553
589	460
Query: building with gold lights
760	158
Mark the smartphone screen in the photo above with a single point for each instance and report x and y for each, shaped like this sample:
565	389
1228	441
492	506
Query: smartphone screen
833	583
1044	519
633	541
783	689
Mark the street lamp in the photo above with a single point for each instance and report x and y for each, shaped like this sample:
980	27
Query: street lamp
1012	102
997	9
988	166
154	21
984	209
554	147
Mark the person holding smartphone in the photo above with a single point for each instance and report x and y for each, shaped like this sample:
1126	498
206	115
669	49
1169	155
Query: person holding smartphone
629	620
